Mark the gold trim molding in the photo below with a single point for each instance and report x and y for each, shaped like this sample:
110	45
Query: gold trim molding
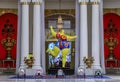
24	3
4	10
95	3
112	10
49	12
36	3
83	3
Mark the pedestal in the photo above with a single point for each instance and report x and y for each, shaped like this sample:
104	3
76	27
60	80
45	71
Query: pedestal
67	71
89	71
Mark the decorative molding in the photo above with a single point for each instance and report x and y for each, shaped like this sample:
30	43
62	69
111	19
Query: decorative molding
95	3
112	10
36	3
49	12
4	10
83	3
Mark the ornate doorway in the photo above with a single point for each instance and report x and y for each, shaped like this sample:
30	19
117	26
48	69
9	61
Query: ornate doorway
54	63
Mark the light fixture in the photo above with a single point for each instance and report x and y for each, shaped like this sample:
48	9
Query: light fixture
21	72
98	73
81	72
59	21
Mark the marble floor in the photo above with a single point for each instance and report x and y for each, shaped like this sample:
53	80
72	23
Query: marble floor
114	78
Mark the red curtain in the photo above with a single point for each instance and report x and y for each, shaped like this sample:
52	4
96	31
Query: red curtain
12	20
116	20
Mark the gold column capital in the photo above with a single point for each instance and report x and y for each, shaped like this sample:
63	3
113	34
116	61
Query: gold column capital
83	3
36	3
24	3
95	3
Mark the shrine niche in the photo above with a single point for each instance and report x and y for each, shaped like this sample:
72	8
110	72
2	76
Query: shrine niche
111	39
8	31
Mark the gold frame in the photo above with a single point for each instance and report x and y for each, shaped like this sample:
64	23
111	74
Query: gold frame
7	10
111	10
49	12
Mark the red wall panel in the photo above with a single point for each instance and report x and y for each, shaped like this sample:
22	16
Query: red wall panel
116	20
12	20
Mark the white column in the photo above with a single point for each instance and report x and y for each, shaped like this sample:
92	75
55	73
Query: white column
95	35
36	35
24	32
83	32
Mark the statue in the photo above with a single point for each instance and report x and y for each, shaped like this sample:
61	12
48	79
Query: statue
62	44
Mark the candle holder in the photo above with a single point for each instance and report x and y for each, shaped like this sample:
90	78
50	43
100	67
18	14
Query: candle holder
111	42
8	44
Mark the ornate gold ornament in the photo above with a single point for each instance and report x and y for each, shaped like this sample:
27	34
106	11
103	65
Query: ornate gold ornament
111	42
5	10
112	10
95	3
29	62
83	3
36	3
8	44
8	29
88	61
49	12
24	3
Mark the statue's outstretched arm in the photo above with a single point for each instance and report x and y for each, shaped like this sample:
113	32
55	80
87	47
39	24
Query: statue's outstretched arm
70	37
52	31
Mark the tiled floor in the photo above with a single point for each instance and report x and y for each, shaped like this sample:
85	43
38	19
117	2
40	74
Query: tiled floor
114	78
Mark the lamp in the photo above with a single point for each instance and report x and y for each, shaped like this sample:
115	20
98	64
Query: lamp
81	72
98	73
60	73
38	73
59	21
21	72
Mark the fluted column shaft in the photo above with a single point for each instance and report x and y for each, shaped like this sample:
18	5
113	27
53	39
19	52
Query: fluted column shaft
25	32
83	33
36	35
95	35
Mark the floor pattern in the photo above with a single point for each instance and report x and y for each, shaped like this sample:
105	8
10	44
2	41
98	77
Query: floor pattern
114	78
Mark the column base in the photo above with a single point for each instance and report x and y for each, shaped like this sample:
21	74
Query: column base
37	67
81	70
96	68
21	70
87	71
34	70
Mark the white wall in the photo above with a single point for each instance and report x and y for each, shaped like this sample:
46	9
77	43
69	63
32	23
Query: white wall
9	4
111	4
48	4
54	4
64	4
